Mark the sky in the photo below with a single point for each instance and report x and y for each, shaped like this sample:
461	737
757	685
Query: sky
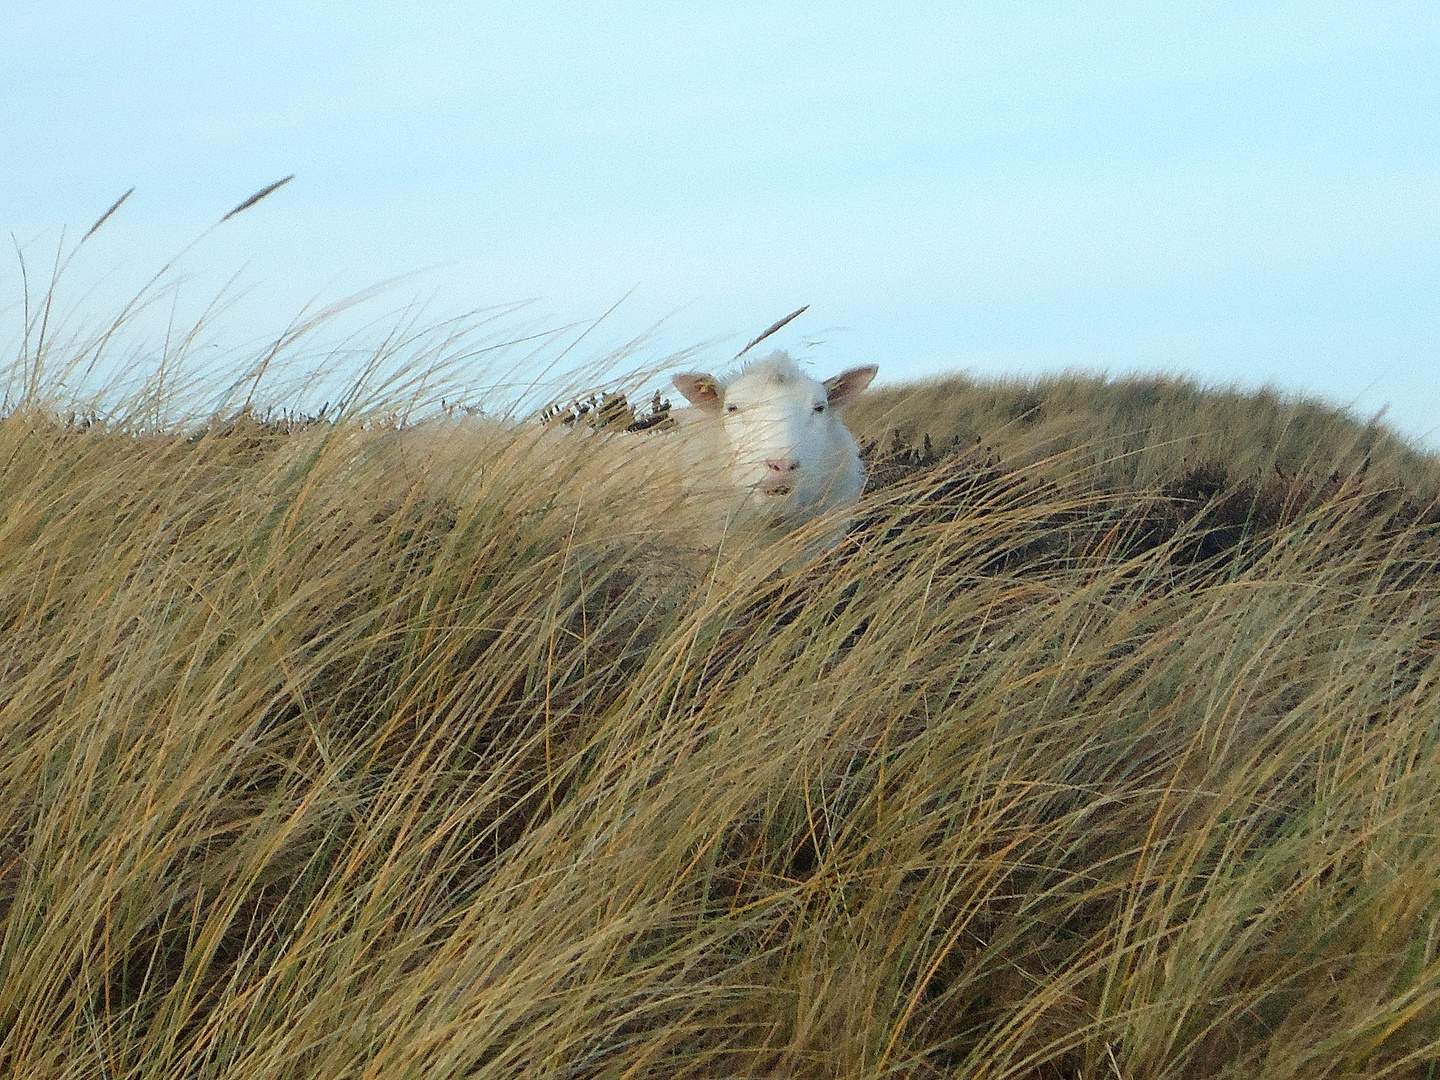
1245	193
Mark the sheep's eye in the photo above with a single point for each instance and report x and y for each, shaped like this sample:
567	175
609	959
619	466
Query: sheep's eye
819	408
732	408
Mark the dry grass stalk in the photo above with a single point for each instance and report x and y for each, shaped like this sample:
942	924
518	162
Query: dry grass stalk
318	761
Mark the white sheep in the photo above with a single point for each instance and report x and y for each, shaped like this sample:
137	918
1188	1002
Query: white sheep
768	444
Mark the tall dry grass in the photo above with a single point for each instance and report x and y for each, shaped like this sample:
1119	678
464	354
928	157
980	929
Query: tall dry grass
1140	430
339	749
312	768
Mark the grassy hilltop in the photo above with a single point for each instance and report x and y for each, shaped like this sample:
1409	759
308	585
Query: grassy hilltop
1106	747
1138	431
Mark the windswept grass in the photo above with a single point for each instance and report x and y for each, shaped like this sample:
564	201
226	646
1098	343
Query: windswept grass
315	764
1142	430
1106	746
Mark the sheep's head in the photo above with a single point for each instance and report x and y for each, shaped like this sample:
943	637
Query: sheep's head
787	445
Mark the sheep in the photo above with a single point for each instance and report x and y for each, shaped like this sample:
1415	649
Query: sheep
767	444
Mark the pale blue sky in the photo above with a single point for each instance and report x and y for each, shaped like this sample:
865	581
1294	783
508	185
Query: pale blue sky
1244	192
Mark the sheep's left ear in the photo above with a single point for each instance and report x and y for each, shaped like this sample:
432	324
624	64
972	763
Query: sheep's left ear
841	388
700	389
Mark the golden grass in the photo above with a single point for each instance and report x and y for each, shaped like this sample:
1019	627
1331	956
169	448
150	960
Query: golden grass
1140	430
335	750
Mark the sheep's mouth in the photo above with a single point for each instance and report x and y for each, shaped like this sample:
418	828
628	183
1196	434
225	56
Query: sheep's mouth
775	489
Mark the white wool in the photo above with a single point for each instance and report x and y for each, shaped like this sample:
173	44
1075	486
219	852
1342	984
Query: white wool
767	444
760	454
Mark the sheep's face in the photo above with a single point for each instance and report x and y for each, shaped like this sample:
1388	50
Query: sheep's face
788	449
779	433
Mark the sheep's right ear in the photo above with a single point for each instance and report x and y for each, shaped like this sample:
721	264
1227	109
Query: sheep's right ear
841	388
701	390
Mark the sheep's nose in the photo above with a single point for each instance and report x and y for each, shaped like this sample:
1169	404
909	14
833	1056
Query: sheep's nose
782	465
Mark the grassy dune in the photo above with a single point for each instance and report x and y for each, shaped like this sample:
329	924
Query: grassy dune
1140	431
1086	756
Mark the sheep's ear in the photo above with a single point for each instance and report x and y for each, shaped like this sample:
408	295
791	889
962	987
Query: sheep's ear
841	388
701	390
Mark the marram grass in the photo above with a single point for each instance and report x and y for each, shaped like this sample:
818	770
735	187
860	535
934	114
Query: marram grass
337	751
